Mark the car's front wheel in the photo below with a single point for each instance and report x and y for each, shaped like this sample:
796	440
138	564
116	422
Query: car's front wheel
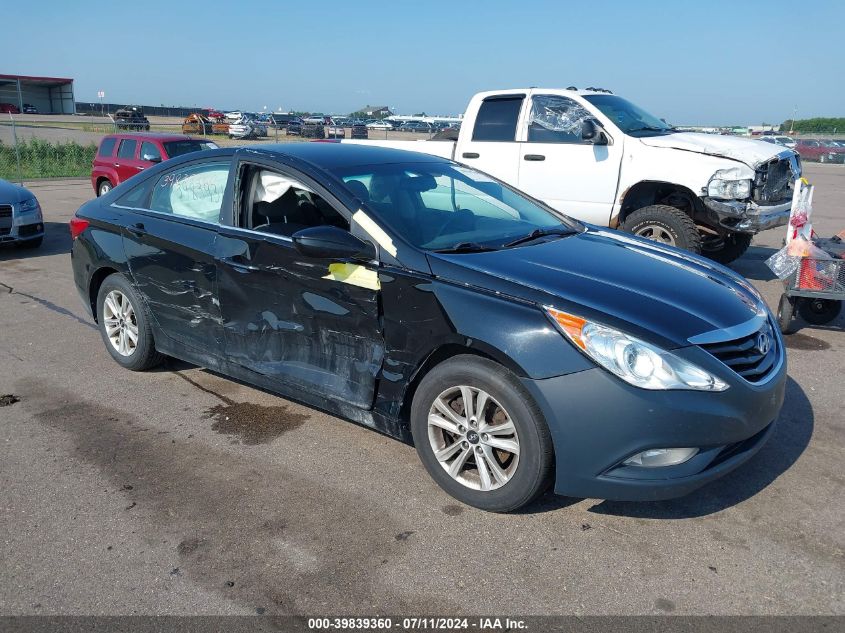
125	325
665	224
480	435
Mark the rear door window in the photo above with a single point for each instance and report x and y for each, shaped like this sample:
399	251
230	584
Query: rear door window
150	152
192	191
107	147
497	118
127	148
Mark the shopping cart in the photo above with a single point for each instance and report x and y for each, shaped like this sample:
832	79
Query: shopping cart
815	290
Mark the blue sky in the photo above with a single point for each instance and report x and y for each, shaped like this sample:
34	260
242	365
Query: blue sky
711	62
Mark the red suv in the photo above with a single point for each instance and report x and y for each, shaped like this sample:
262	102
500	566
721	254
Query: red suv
121	156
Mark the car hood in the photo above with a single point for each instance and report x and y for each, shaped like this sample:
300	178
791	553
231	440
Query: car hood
660	294
745	150
11	193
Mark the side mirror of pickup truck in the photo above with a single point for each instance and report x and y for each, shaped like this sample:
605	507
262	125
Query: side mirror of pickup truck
592	132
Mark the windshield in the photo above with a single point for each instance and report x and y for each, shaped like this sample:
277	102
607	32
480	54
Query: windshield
629	118
177	148
441	206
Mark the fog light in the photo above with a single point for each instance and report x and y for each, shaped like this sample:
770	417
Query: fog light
657	457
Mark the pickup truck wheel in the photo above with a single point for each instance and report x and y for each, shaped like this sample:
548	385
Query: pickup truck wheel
665	224
728	249
480	435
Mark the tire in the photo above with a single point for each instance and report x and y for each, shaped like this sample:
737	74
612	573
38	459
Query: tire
666	225
104	187
822	158
523	475
731	248
144	355
786	312
819	311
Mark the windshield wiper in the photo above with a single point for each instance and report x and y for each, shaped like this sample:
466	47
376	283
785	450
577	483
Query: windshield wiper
538	233
465	247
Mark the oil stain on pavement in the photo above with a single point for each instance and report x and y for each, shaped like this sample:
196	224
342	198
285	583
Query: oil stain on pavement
254	423
261	524
806	342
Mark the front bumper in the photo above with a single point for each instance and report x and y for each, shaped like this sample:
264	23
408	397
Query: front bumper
20	232
748	217
598	421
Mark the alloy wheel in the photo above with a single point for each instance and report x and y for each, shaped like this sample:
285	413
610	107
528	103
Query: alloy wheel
120	323
656	233
473	438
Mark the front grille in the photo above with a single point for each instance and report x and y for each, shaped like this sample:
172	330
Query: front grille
743	355
774	181
5	210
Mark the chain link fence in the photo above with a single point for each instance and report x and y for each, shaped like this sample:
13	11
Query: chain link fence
63	146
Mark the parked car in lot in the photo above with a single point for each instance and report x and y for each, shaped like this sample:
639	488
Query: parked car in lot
515	347
786	141
379	125
247	127
234	115
820	151
121	156
335	130
28	108
415	126
20	216
131	118
701	192
9	108
359	130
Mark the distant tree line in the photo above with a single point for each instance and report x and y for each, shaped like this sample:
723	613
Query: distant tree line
818	124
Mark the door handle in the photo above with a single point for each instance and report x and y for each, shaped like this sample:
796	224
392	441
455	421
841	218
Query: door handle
470	155
534	157
117	164
137	229
139	168
238	264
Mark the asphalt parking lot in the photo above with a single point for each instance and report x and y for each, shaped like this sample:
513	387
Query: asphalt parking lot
178	491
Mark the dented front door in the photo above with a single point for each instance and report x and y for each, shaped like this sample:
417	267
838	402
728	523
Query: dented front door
305	322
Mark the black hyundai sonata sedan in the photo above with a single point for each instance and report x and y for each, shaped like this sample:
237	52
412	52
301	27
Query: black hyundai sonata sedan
513	346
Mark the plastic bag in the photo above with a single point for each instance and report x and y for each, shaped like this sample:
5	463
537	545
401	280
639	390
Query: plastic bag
782	264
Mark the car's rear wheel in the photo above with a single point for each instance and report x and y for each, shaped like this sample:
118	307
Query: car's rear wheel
480	435
104	187
665	224
125	325
822	158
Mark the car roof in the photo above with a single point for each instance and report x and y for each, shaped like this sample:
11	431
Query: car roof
152	136
331	154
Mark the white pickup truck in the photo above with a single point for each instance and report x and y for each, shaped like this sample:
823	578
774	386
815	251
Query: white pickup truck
599	158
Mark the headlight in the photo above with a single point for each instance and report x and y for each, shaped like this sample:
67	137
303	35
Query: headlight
634	361
727	185
28	206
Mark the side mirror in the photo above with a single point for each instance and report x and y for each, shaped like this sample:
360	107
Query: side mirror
151	159
592	132
331	242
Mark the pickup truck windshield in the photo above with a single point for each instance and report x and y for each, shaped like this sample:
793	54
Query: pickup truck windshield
629	118
445	207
